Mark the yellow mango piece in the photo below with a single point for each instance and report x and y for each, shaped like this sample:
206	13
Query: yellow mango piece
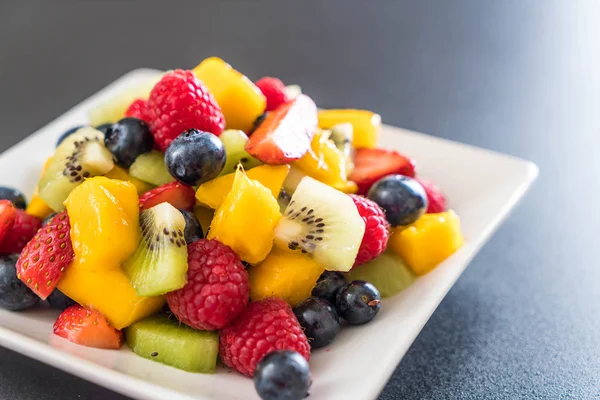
104	216
109	292
205	217
37	206
240	100
365	124
213	193
288	275
428	241
122	175
324	162
246	220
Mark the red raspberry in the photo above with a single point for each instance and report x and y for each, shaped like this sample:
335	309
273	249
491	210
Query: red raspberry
377	229
178	102
139	109
23	230
217	289
435	197
266	325
274	91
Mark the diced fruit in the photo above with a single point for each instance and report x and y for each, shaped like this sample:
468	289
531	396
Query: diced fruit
377	229
44	259
22	231
8	214
320	321
14	196
139	109
205	217
370	165
282	375
195	157
358	302
323	223
59	301
193	229
127	139
366	124
403	199
428	241
79	156
165	340
265	326
174	193
213	193
234	141
387	272
240	100
436	199
286	133
104	222
328	285
114	109
217	288
274	91
292	180
246	220
342	135
14	294
109	292
68	133
288	275
151	168
87	328
37	207
293	91
122	175
178	102
159	265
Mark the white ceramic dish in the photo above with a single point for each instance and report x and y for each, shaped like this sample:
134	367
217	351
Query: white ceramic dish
482	186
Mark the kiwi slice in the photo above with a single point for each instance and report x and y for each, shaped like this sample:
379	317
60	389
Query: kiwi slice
234	142
159	265
164	339
387	272
323	223
151	168
79	156
342	135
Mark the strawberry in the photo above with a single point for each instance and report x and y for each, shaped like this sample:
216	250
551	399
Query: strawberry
178	195
7	217
274	91
44	259
370	165
435	197
87	328
285	134
23	229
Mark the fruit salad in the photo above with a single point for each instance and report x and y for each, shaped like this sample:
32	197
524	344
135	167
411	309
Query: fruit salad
201	216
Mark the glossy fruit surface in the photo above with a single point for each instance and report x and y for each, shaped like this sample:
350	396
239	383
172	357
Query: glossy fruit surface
123	175
178	195
14	294
282	375
403	199
127	139
274	91
320	321
67	133
234	141
193	228
388	273
23	229
366	124
328	284
60	301
87	328
8	214
358	302
150	167
371	165
14	196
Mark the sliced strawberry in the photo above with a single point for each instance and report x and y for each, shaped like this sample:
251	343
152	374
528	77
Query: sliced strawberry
178	195
44	259
7	217
286	133
87	328
23	229
435	197
370	165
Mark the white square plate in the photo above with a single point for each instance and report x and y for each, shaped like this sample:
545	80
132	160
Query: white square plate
482	186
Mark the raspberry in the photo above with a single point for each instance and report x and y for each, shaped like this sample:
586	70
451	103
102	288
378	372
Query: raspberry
435	197
178	102
274	91
217	289
139	109
265	326
377	230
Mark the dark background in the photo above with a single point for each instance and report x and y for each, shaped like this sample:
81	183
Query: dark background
521	77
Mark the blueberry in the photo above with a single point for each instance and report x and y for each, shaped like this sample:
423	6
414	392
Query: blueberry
195	157
282	375
358	302
193	229
320	321
104	128
59	301
48	219
13	195
127	139
14	295
403	199
67	134
328	285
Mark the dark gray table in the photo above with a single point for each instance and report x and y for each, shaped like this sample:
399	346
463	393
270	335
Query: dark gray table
513	76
